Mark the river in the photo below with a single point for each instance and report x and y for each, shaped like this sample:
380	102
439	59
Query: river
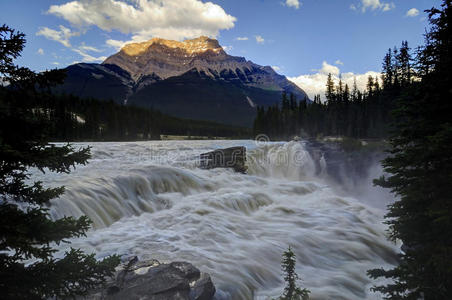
150	199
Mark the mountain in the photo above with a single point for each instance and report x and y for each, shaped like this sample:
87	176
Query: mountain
193	79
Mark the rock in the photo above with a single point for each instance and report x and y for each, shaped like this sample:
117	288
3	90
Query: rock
148	280
203	288
234	157
111	290
349	169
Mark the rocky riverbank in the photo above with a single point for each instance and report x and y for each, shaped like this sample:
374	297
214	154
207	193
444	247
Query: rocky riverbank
151	280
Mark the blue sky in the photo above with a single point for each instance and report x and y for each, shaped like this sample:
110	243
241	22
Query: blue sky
302	39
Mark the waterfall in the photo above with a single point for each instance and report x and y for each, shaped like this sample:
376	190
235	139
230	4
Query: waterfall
149	199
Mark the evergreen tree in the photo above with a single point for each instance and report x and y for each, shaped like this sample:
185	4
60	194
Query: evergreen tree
404	59
376	85
26	231
292	291
346	95
340	90
329	94
370	86
388	70
355	90
285	105
420	169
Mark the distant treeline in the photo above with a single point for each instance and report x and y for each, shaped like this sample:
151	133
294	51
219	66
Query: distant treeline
75	119
347	111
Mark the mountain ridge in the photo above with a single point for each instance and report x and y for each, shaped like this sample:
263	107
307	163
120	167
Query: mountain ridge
166	58
199	44
193	79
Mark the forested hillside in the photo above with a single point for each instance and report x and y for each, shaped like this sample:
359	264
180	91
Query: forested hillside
75	119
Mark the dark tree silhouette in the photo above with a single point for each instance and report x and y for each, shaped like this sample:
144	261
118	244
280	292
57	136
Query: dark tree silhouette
420	168
27	233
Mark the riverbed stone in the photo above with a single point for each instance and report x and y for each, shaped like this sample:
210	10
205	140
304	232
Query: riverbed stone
203	288
146	280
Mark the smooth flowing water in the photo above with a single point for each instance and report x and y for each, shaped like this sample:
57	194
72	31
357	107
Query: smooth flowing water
150	199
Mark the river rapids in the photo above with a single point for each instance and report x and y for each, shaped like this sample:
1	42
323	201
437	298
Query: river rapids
151	199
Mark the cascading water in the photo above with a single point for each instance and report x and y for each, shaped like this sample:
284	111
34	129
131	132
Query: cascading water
150	199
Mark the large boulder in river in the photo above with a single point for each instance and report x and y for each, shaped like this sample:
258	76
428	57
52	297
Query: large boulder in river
234	157
149	280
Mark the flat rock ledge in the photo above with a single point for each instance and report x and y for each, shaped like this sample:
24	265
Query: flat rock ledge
150	280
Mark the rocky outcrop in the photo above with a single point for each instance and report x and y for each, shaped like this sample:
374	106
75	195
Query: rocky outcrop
150	280
350	166
234	157
166	58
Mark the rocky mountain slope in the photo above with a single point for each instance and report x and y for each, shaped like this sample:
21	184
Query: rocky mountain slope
192	79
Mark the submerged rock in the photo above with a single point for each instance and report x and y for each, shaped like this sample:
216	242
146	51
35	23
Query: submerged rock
150	280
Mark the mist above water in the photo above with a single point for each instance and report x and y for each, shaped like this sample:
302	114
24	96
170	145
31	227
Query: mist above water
151	200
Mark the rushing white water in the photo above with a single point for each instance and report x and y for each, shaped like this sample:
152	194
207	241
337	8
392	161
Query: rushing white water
150	199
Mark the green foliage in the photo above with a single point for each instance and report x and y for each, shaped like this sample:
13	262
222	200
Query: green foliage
291	291
26	231
420	168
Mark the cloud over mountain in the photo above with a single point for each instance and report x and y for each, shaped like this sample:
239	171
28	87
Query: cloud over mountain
172	19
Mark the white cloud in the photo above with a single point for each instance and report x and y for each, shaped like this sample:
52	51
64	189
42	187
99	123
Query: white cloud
86	48
373	5
144	19
414	12
314	84
276	68
327	69
89	58
338	62
83	50
40	51
244	38
227	48
293	3
61	36
115	44
259	39
388	6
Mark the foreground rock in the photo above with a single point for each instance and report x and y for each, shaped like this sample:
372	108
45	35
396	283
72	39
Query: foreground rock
234	157
149	280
